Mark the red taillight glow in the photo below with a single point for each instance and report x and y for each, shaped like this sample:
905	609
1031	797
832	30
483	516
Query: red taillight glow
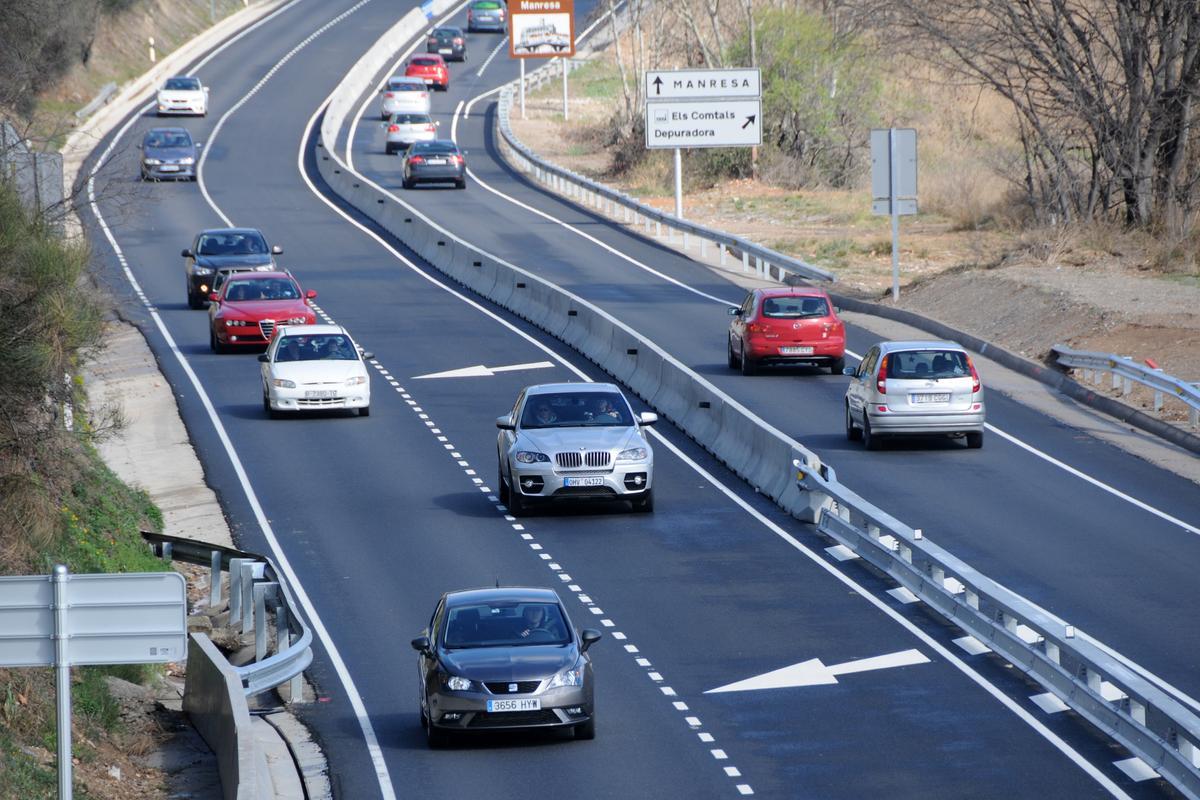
431	128
458	40
881	378
424	95
388	95
974	376
416	160
393	128
458	159
756	328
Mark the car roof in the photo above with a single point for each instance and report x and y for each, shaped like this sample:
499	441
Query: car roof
512	594
919	344
447	29
215	231
555	388
320	329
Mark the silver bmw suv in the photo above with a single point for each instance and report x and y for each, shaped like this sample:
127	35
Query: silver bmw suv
564	441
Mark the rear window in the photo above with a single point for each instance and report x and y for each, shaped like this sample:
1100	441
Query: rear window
425	62
485	5
927	364
795	307
434	147
411	119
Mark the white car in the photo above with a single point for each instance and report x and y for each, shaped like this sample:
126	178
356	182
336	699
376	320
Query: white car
403	129
314	368
183	94
404	94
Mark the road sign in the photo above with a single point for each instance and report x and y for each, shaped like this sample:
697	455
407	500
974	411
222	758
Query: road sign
704	123
901	149
698	84
541	28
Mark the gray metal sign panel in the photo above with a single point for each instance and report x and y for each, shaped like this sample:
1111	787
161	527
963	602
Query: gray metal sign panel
904	144
704	123
111	619
699	84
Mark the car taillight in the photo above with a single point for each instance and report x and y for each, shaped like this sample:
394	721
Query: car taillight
974	376
416	160
458	40
754	327
424	95
393	128
431	128
388	95
881	378
458	159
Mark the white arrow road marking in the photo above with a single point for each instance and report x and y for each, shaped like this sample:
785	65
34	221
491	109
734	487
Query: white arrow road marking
814	673
480	371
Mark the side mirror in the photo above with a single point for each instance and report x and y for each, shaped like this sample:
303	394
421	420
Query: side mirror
139	147
735	312
199	145
277	250
647	418
437	123
837	309
505	423
367	354
186	253
849	370
311	294
206	90
589	636
264	358
212	296
421	644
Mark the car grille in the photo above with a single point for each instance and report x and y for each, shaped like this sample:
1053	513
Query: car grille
508	719
523	687
323	402
576	460
267	326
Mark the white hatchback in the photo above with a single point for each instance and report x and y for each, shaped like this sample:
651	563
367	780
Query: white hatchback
314	368
182	94
403	94
404	129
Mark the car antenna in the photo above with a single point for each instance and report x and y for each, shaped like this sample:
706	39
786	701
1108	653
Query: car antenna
497	581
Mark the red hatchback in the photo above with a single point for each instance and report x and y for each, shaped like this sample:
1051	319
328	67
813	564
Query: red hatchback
430	68
248	306
793	325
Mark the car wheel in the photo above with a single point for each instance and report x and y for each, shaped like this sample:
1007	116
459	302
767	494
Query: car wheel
644	504
503	486
388	149
733	362
836	366
365	411
266	404
516	502
852	431
194	301
870	440
385	117
435	736
406	183
213	344
749	365
975	440
461	183
586	731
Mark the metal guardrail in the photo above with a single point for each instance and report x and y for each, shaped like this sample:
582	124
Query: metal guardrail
767	263
106	93
254	590
1125	371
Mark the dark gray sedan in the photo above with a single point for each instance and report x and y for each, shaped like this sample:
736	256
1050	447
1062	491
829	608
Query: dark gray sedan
438	161
168	153
504	658
449	43
224	251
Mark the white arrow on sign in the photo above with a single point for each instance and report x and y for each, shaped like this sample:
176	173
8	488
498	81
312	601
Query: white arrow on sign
814	673
480	371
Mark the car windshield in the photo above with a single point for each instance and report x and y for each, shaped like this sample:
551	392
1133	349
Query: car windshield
794	307
927	364
582	409
506	624
324	347
231	244
182	84
168	139
261	289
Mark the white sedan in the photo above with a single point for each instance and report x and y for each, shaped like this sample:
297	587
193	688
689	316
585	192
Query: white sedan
182	94
314	368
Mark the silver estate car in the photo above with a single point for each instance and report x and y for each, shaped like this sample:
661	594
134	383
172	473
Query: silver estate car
504	658
564	441
914	387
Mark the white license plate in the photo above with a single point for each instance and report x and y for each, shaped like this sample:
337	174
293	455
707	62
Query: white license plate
525	704
436	161
941	397
169	168
320	394
445	50
428	80
595	481
795	351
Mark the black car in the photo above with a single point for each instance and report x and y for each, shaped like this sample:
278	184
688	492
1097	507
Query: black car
438	161
218	252
449	43
168	153
504	658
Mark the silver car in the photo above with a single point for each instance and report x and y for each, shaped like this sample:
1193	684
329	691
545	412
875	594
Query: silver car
403	94
914	387
574	441
404	128
504	658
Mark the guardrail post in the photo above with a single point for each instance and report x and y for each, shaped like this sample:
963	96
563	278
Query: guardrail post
657	229
1116	380
972	599
235	588
1126	385
1053	653
246	579
262	591
1093	679
1158	400
745	261
214	580
167	551
1189	751
685	241
724	253
703	247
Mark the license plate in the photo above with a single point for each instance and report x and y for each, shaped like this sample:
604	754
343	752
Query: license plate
428	80
795	351
525	704
320	394
436	161
169	168
596	481
445	50
941	397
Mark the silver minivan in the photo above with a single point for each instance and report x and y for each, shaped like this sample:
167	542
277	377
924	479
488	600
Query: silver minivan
916	387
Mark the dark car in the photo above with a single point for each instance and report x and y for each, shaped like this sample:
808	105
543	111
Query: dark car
486	15
219	252
504	658
449	43
168	153
439	161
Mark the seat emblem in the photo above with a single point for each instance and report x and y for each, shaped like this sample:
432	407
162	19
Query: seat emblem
512	687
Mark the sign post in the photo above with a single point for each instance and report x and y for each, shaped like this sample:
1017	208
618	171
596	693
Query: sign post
702	108
894	184
66	620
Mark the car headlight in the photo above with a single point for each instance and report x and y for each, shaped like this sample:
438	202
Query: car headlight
151	161
237	323
357	380
295	321
568	677
284	383
530	457
456	683
264	268
203	271
187	160
633	454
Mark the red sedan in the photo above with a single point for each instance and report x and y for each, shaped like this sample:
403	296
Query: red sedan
794	325
430	68
248	306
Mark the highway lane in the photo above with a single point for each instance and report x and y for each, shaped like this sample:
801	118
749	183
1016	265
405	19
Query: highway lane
1087	554
377	517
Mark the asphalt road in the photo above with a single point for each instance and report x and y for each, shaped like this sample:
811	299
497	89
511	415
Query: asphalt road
376	517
